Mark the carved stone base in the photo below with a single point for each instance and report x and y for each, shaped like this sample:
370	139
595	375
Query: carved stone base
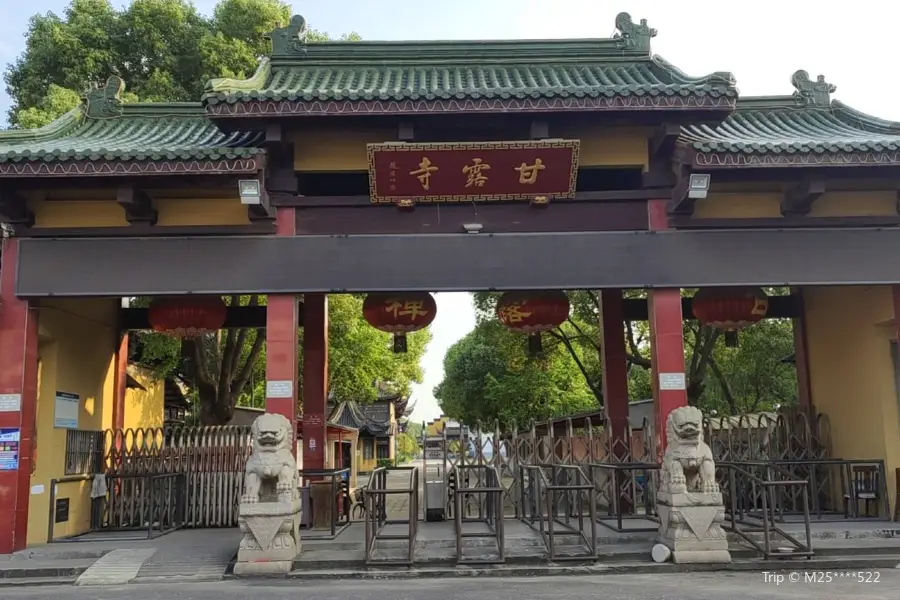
690	524
271	538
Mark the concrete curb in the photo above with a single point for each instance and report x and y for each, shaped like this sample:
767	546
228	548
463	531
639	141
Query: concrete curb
20	582
20	573
855	563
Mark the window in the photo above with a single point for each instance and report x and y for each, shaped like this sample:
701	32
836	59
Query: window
383	449
368	449
82	451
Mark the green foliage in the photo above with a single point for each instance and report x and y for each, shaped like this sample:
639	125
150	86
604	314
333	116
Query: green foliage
229	368
407	447
384	462
415	429
165	50
482	381
487	376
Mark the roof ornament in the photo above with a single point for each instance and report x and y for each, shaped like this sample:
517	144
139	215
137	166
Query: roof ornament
104	102
290	40
633	36
812	93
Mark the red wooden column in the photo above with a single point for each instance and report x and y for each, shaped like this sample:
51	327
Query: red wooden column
615	372
315	379
666	341
282	326
18	399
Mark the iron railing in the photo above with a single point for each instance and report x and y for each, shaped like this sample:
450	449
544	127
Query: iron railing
376	497
478	487
745	523
554	500
629	492
337	506
148	505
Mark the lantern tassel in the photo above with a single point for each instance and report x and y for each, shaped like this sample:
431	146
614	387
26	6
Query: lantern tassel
535	346
731	339
399	343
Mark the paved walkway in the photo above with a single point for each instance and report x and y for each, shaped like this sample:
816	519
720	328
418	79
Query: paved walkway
192	554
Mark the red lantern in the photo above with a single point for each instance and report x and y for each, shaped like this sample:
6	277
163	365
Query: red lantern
730	309
532	313
399	314
189	316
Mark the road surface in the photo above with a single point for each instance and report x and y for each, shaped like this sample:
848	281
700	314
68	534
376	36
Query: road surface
695	586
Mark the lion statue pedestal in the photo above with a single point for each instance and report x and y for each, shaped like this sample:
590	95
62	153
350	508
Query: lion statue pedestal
269	513
689	502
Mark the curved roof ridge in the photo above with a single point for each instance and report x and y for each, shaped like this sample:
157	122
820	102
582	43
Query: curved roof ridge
861	120
57	128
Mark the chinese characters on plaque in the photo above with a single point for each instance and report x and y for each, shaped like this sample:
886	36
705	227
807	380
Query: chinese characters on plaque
482	171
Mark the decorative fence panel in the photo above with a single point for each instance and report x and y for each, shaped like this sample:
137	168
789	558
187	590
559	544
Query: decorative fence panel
211	459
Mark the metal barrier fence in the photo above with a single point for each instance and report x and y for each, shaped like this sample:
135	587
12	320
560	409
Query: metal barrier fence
746	523
376	497
153	505
339	505
555	497
478	485
627	491
212	460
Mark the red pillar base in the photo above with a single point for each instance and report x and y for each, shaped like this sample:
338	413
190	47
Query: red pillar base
18	400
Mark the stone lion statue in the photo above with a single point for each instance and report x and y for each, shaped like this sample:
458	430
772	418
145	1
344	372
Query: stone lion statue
271	472
688	462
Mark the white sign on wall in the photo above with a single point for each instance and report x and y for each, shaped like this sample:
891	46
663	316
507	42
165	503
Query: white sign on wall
672	381
10	402
65	411
280	389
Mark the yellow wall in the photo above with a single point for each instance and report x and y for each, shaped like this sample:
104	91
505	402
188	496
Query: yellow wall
849	330
77	355
201	211
768	205
144	408
106	212
318	149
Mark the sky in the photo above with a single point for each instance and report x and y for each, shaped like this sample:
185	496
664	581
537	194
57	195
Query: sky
762	42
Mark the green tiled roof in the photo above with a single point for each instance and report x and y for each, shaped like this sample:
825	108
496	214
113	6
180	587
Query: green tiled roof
808	122
446	70
103	128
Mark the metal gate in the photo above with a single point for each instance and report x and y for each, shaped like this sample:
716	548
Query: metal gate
173	477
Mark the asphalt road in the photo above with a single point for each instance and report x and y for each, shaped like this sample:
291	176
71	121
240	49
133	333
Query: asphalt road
698	586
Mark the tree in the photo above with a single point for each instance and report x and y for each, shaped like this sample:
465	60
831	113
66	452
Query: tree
407	447
219	368
718	378
164	50
488	376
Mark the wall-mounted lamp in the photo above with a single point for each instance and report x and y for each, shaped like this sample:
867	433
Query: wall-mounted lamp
406	204
539	202
473	227
698	185
250	190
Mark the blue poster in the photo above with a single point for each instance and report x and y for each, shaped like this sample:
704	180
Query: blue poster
9	449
